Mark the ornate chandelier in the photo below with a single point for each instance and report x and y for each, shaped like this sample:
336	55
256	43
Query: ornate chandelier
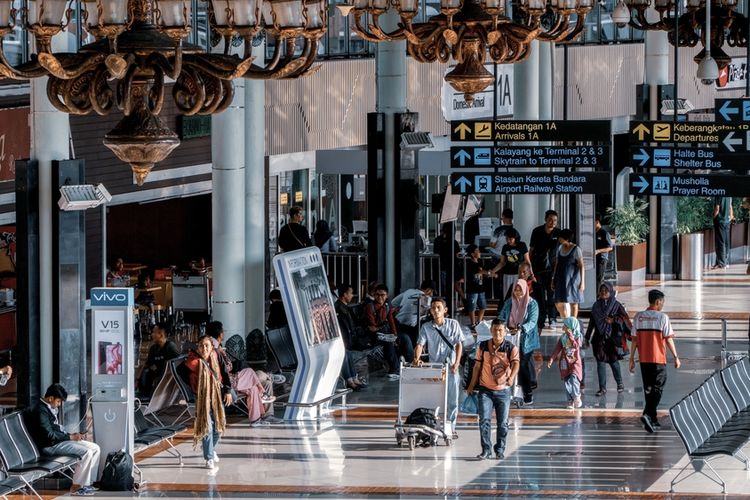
726	25
140	43
467	30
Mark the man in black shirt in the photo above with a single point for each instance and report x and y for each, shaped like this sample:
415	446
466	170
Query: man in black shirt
474	299
161	351
447	248
543	253
603	248
294	235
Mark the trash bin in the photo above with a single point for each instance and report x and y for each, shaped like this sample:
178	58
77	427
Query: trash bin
691	257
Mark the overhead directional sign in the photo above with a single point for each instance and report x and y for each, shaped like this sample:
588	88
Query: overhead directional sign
735	142
529	156
732	110
532	183
689	185
684	132
691	158
530	130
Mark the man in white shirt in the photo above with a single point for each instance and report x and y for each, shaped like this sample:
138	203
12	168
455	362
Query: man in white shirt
412	305
444	340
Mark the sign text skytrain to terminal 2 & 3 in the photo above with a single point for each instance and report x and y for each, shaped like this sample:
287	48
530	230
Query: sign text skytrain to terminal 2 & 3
683	132
531	183
530	130
529	156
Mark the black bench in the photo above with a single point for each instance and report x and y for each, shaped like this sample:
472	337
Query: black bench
10	484
21	458
712	421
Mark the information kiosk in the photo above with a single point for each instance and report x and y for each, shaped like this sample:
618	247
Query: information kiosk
312	322
112	378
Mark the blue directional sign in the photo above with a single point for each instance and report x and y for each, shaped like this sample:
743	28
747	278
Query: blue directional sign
530	130
531	183
690	158
689	185
732	110
529	156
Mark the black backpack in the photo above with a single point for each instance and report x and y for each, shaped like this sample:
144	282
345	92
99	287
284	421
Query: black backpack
423	416
118	472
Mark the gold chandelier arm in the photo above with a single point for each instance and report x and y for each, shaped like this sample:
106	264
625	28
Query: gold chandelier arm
100	94
220	66
572	34
25	71
374	33
188	91
172	68
53	95
639	21
156	92
69	65
124	91
562	21
75	100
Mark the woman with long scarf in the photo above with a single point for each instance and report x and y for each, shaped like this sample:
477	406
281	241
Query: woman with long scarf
520	315
212	390
605	333
568	349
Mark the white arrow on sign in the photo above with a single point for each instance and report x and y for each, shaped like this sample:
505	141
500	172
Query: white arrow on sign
729	142
726	110
462	183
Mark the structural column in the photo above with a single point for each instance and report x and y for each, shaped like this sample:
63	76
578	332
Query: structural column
255	201
228	215
390	82
50	133
662	215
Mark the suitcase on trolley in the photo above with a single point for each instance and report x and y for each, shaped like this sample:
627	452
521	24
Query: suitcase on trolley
422	403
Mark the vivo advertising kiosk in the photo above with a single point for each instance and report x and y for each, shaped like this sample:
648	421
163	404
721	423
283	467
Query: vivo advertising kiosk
314	328
112	378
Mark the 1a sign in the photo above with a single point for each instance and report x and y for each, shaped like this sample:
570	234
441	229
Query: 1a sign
689	185
684	132
530	130
531	183
529	156
690	158
732	110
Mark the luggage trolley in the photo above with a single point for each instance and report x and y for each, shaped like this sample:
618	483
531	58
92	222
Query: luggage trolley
422	387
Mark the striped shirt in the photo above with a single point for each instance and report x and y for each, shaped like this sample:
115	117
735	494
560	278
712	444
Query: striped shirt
652	328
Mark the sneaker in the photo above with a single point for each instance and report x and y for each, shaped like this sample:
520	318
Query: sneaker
259	423
216	458
485	455
278	379
266	399
91	487
601	392
270	419
393	376
83	491
570	405
210	464
620	388
647	424
455	435
578	403
384	337
528	399
656	425
499	455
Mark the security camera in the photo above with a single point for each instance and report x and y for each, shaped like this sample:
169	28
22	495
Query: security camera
621	14
708	70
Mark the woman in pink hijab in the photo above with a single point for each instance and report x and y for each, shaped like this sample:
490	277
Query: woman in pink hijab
520	315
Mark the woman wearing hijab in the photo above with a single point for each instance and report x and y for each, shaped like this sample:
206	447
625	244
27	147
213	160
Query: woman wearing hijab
323	237
605	335
212	389
520	315
568	349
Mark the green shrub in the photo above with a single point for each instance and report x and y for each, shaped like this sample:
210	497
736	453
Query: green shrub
629	222
693	214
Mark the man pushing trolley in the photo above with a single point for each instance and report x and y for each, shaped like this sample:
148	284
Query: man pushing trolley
444	340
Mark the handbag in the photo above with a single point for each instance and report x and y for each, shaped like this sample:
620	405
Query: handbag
470	405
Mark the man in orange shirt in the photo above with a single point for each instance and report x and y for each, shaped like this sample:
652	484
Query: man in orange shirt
653	334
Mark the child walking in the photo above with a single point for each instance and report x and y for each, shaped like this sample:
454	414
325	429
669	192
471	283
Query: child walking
568	349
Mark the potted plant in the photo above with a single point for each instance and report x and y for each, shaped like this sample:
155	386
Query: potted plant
631	227
693	216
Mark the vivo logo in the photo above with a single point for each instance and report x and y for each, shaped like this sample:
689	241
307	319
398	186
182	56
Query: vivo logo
111	296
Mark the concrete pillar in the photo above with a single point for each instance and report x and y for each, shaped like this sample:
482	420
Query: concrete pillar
255	201
390	84
526	93
228	214
50	133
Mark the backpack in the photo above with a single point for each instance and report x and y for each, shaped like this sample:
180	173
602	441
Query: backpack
423	416
118	472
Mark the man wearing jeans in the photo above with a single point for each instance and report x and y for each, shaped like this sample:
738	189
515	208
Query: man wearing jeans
495	369
52	440
653	334
444	340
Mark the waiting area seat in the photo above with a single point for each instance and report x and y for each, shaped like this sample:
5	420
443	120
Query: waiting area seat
713	421
21	458
10	484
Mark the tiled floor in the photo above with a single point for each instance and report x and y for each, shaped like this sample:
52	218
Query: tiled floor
600	451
